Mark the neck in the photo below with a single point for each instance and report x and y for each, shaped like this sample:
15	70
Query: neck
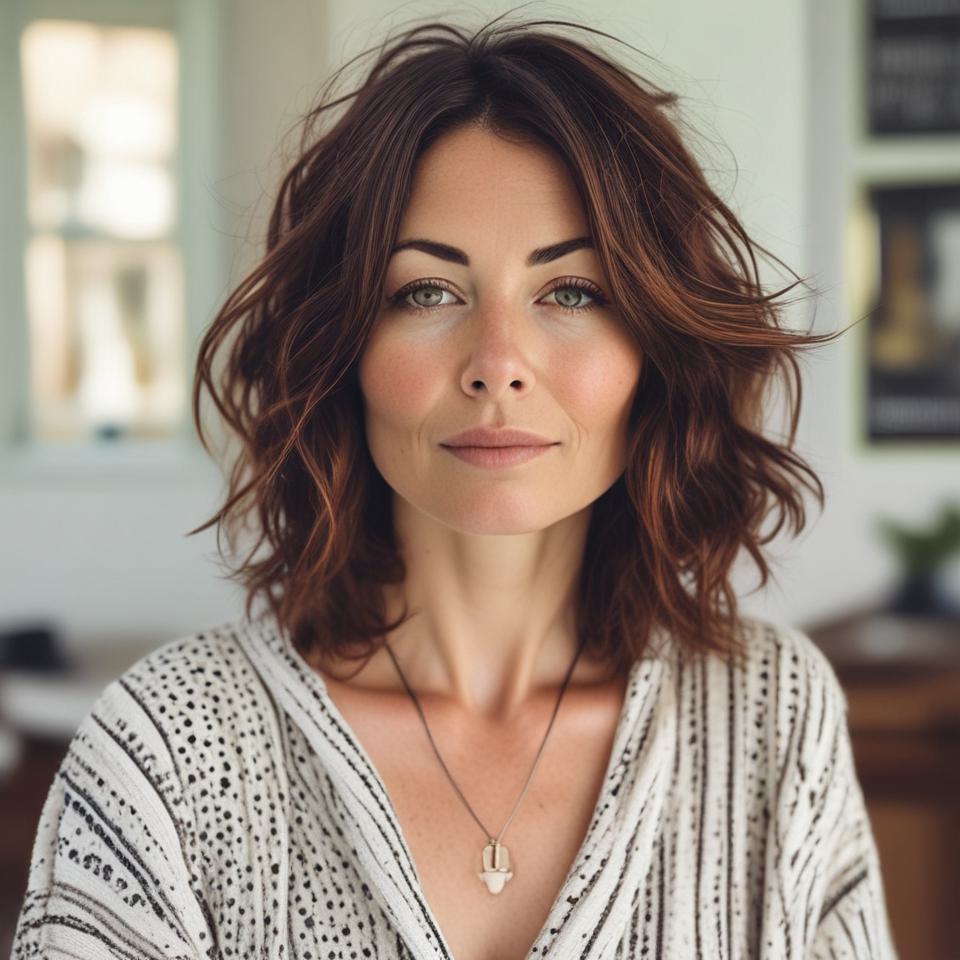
492	623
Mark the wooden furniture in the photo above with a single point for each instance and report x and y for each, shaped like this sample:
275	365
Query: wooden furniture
22	793
902	681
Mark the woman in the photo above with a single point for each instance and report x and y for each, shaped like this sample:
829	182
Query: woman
503	232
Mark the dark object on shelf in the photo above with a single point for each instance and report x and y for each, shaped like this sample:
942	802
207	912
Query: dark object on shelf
923	555
33	646
920	593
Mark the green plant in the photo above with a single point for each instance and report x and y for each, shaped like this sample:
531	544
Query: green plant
924	549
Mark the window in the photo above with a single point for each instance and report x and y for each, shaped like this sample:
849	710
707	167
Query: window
102	267
119	260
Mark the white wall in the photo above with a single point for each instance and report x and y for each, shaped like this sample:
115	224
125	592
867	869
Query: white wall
107	554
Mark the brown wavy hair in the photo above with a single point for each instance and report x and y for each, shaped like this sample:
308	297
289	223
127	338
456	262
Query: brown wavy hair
700	478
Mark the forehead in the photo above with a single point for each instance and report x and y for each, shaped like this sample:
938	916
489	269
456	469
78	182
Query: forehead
480	184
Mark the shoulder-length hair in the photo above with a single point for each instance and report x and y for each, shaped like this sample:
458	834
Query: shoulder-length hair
700	477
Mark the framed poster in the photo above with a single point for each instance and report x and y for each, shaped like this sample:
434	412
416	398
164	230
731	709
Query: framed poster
913	337
913	59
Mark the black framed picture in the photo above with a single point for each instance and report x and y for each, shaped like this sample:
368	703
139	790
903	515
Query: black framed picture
913	333
914	66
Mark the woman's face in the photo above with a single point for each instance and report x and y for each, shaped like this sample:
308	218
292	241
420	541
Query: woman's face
492	344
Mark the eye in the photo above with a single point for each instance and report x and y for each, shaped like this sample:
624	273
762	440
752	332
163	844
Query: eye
580	286
435	290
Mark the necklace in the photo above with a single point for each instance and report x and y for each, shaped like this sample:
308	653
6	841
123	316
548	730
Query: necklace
495	857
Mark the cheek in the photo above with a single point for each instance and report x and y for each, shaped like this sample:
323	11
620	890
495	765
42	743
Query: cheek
599	384
397	379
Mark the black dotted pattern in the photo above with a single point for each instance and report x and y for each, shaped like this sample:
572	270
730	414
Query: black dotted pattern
214	803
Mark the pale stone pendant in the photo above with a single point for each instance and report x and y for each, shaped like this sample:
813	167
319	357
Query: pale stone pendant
496	866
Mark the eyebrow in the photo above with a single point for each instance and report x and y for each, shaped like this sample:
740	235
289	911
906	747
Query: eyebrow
455	255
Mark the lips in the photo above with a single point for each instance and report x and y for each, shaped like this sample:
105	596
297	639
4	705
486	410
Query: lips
496	437
498	458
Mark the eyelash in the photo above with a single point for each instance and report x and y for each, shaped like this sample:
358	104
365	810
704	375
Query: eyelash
599	300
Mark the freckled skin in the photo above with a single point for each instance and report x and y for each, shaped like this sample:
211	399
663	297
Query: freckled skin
492	556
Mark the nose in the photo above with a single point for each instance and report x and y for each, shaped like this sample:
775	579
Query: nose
498	362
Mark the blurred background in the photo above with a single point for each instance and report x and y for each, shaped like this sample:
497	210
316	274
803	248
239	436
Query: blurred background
142	142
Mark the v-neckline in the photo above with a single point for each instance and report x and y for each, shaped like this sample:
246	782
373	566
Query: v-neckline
644	727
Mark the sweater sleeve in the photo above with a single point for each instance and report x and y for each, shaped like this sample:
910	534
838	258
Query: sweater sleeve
851	918
108	875
827	866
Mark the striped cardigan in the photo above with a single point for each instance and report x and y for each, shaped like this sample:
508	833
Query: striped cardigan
214	803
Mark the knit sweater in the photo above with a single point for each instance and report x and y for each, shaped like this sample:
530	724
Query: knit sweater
214	803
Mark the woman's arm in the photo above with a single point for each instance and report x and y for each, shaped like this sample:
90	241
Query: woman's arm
851	921
823	862
109	876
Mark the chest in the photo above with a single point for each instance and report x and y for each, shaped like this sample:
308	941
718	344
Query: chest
490	769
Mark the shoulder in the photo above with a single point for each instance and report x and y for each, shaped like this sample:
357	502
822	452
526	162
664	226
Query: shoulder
177	737
780	701
788	660
793	693
173	778
777	663
819	852
174	715
197	683
186	679
120	820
